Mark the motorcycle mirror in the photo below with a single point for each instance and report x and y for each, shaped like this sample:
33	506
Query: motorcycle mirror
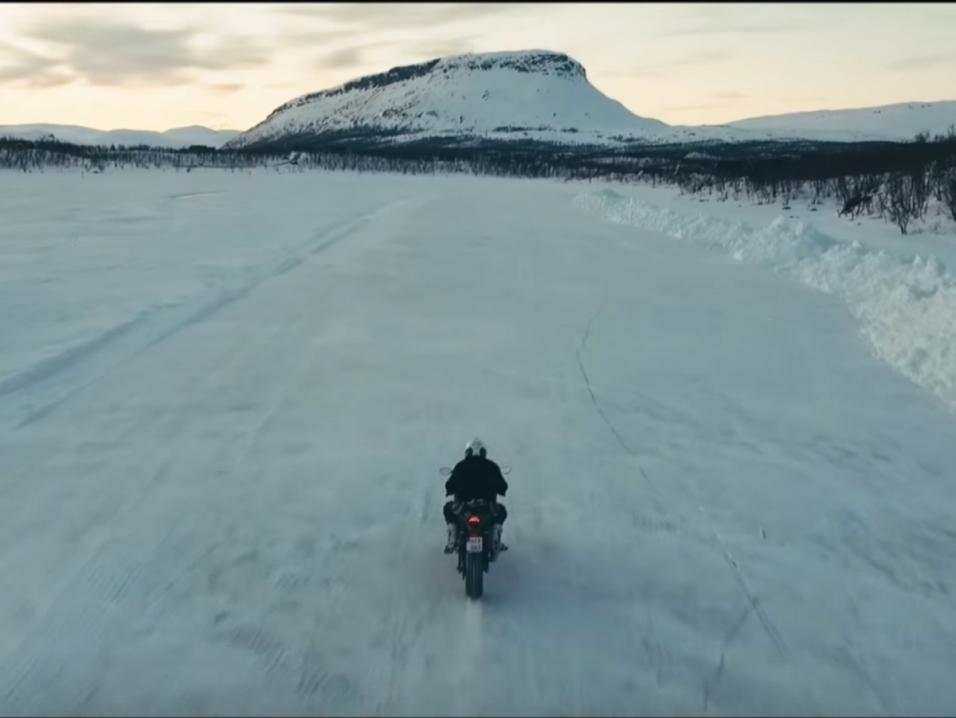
505	470
445	471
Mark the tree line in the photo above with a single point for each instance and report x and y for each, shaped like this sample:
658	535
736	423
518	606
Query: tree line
893	180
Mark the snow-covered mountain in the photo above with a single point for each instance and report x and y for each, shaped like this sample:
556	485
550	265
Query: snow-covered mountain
523	95
174	138
540	95
900	122
533	94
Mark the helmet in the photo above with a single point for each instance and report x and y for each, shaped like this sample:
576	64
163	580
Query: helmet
474	445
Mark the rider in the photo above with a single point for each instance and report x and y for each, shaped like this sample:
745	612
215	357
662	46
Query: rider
475	477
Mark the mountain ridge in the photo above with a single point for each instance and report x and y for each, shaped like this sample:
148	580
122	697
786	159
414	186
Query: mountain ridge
538	96
897	121
174	138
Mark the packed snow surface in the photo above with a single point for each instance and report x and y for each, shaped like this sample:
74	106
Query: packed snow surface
226	397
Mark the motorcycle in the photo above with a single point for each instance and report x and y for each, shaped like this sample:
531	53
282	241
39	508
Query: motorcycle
477	544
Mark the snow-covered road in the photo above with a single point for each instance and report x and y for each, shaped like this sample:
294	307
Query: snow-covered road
224	400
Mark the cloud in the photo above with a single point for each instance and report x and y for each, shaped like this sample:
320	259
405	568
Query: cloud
697	106
805	100
701	57
922	62
51	79
354	56
226	88
659	69
692	108
390	16
344	57
304	37
742	29
441	48
28	69
723	19
729	95
111	53
719	100
286	86
347	27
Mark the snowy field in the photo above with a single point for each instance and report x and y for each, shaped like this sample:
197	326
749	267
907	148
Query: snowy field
224	400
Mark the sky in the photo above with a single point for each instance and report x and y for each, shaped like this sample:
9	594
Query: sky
156	66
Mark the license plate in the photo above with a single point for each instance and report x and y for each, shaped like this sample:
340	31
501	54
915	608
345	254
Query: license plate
474	544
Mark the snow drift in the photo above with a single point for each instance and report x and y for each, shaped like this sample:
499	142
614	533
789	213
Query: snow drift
906	304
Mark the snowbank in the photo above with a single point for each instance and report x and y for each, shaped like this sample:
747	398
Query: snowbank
906	305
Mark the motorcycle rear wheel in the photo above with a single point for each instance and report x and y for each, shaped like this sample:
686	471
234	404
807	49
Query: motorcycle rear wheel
474	575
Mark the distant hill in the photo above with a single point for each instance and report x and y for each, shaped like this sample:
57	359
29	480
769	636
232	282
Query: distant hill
175	138
900	122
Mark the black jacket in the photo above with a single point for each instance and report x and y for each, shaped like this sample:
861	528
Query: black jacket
475	477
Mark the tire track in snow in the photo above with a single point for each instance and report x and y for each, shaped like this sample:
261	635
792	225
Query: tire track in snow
279	659
81	612
150	424
177	318
46	368
714	680
315	685
469	659
407	625
752	600
601	412
101	582
167	420
204	312
74	638
191	195
275	403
